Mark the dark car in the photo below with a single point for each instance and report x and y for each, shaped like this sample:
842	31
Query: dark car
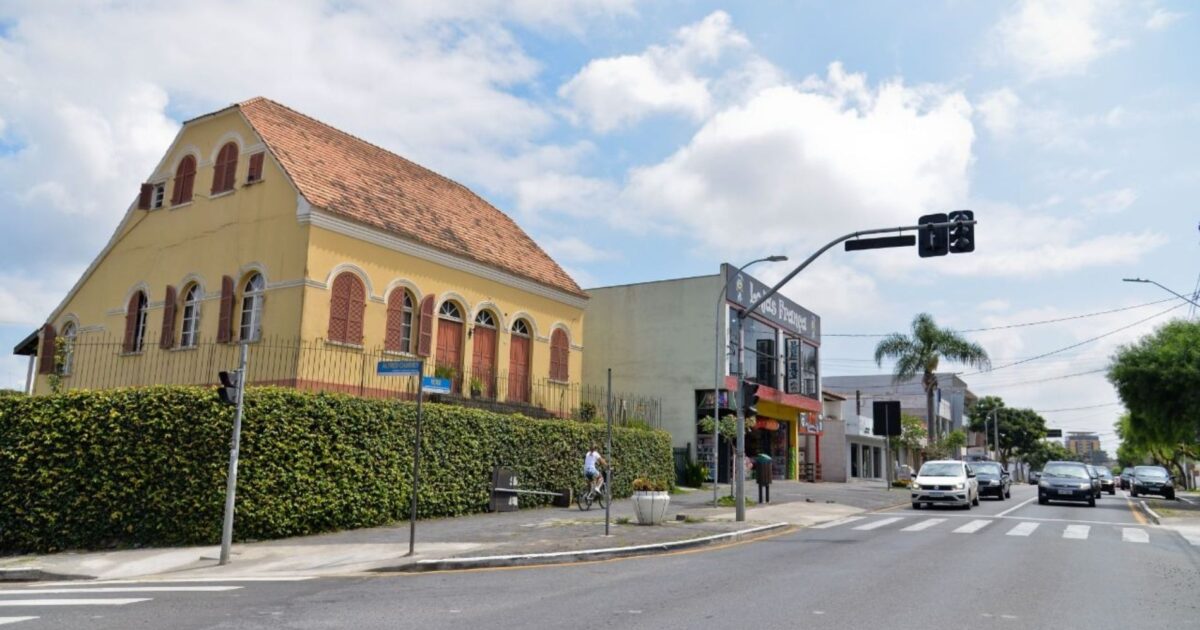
993	480
1152	480
1034	477
1066	481
1095	475
1126	477
1106	480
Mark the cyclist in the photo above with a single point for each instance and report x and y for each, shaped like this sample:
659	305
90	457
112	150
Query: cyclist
590	471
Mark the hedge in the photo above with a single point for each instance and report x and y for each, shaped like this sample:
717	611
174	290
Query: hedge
146	467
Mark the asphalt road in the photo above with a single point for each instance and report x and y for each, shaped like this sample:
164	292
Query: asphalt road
1011	564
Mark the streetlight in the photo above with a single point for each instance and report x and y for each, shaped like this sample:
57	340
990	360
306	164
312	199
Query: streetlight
1178	295
721	300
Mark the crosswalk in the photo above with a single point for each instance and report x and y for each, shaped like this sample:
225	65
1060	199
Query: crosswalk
36	601
1009	526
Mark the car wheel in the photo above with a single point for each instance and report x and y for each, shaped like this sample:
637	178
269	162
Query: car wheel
976	500
1092	502
1112	490
1008	493
1001	494
916	505
1042	500
1170	496
1133	493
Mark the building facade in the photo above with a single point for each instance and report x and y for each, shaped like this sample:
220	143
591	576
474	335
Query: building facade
1083	444
850	450
673	338
263	226
952	399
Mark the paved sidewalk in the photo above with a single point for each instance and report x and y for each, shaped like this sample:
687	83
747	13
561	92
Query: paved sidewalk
564	531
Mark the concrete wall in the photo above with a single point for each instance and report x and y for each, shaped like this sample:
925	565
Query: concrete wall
658	339
834	465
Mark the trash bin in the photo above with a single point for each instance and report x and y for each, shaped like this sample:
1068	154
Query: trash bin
763	474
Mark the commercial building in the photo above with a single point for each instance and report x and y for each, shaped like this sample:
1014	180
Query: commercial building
263	226
1083	444
951	399
671	339
850	450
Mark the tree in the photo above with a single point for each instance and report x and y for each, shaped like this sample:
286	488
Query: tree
912	434
948	447
1044	451
922	351
1021	430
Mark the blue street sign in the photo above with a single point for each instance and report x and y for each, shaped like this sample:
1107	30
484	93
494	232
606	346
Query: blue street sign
398	368
434	385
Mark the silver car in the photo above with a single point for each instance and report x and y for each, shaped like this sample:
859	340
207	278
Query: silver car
946	482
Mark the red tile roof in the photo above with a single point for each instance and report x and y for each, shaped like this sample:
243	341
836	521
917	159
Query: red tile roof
350	177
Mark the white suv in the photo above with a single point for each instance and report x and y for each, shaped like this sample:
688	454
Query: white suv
949	482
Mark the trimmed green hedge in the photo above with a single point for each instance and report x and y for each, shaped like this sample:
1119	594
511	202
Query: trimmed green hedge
100	469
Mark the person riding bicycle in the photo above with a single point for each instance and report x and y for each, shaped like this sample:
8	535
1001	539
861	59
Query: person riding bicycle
590	470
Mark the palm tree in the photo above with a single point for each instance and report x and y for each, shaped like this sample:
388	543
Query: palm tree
921	352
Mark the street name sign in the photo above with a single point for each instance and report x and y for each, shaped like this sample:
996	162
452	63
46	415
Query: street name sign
398	368
434	385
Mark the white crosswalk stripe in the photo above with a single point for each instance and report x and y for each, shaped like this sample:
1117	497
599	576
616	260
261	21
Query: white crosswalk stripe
1077	532
8	620
923	525
1023	529
73	602
1134	535
839	522
972	527
880	523
121	589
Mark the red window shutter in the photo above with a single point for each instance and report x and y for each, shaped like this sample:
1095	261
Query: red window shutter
425	340
225	168
131	319
256	167
144	196
47	358
167	340
339	307
185	174
357	308
225	313
393	335
559	353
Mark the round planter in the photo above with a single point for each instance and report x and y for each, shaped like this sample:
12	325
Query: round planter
651	507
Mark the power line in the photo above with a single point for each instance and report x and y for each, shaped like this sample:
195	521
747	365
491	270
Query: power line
1078	408
1042	380
1024	324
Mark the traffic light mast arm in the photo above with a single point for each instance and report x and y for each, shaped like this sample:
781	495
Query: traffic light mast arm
817	254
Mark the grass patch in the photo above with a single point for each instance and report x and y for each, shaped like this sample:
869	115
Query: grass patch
728	501
622	520
688	518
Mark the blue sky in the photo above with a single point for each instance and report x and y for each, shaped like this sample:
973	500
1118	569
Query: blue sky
642	140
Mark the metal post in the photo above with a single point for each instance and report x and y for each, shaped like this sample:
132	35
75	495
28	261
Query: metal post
412	510
716	458
739	463
996	428
234	445
608	453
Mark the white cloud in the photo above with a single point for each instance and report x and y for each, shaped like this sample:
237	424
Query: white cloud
617	91
574	249
1053	38
993	305
1162	18
999	111
1110	202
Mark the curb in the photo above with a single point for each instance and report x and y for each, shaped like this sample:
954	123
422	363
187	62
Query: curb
585	555
1151	513
33	574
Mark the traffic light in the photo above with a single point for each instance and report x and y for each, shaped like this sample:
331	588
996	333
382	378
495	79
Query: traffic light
227	392
962	236
932	241
750	398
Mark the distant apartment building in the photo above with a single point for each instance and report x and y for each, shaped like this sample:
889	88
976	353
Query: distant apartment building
1083	444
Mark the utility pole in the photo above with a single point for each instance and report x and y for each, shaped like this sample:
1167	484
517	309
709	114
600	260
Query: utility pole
234	445
740	463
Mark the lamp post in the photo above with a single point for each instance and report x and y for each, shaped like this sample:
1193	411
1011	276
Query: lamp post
721	299
1178	295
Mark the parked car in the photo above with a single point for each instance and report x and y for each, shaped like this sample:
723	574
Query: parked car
993	480
948	482
1097	488
1066	481
1034	477
1126	478
1152	480
1106	480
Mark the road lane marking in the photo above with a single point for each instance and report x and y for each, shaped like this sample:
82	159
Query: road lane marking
71	602
1077	532
1194	539
1134	535
183	580
880	523
926	524
972	527
120	589
4	620
840	521
1023	529
1017	506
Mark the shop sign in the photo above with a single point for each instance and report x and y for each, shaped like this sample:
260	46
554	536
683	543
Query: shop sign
810	423
746	291
767	425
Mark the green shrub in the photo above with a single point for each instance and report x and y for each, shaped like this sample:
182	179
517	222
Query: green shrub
649	485
694	474
99	469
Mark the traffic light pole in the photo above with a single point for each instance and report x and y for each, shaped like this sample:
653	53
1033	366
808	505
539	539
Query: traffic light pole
745	315
235	444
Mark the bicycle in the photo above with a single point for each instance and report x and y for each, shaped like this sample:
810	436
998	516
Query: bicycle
592	494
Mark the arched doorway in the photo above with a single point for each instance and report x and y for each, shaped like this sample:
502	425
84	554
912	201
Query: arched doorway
450	341
483	354
518	362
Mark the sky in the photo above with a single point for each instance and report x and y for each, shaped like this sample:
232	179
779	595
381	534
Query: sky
648	140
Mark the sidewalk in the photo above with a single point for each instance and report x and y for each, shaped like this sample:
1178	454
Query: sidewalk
526	535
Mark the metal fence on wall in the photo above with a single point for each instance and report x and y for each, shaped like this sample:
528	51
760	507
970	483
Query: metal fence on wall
319	365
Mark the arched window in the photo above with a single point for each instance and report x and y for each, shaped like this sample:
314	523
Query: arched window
485	319
559	355
225	168
400	318
346	304
520	327
449	310
135	322
191	317
252	307
69	332
185	176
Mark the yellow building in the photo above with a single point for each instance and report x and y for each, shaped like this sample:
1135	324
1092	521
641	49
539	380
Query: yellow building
326	254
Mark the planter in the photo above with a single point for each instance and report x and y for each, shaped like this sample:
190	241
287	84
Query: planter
651	507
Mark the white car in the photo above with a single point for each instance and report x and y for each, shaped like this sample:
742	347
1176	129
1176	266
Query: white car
948	482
